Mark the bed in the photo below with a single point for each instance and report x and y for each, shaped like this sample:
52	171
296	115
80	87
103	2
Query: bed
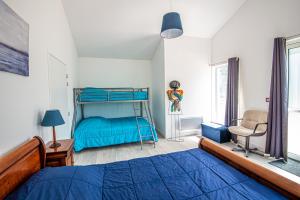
106	95
100	131
211	172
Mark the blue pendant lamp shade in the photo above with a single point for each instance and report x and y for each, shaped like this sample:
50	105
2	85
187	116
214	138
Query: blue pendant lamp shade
52	118
171	26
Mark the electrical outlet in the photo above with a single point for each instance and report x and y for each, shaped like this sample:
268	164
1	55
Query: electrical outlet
267	99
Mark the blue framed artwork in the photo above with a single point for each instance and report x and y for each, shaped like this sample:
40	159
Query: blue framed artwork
14	42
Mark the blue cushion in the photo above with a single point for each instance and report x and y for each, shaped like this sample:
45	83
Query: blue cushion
216	132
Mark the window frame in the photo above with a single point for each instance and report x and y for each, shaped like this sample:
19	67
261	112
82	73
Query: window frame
292	44
214	89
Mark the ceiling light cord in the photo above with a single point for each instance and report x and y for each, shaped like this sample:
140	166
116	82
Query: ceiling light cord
171	6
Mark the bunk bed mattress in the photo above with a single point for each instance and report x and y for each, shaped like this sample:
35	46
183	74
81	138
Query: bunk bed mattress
99	132
102	96
193	174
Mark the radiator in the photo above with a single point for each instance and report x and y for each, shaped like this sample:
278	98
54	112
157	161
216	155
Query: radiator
190	125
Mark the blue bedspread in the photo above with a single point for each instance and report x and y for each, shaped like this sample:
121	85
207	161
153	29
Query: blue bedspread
193	174
100	95
99	132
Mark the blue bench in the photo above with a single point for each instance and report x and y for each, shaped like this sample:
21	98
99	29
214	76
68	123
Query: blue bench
216	132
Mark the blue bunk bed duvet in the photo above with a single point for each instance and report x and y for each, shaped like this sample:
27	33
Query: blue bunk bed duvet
193	175
100	95
99	132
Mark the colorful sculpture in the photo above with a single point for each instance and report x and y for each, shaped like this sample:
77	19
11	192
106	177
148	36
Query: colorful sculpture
175	95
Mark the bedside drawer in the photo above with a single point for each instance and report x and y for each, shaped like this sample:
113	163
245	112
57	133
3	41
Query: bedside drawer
56	163
61	156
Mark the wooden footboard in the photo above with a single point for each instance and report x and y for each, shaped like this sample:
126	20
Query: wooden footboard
273	180
17	166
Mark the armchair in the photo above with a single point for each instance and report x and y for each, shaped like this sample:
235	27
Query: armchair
253	124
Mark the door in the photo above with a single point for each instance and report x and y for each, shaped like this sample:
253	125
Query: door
59	93
294	100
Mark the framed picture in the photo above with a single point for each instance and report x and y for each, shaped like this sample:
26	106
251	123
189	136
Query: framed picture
14	42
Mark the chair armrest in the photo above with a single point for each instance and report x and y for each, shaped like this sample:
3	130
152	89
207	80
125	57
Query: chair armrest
257	125
234	120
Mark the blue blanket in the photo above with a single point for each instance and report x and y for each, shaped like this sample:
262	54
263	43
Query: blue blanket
99	132
193	174
99	95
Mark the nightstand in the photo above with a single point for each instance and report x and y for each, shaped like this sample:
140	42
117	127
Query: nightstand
60	156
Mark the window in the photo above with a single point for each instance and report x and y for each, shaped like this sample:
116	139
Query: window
294	78
219	92
293	50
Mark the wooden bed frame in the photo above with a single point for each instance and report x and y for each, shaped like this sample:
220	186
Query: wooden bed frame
267	177
17	166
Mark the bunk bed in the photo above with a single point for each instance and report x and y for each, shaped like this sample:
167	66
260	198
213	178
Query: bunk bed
97	131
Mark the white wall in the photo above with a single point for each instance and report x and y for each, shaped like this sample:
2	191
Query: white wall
110	73
187	60
249	35
103	72
24	99
158	88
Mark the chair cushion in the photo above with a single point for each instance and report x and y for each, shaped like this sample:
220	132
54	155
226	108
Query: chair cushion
252	117
241	131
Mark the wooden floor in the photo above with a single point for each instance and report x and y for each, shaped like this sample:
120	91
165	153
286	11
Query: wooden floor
130	151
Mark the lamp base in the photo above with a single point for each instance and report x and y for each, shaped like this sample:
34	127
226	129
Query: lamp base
55	145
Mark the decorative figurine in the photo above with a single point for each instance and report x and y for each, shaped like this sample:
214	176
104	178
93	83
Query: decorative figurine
175	95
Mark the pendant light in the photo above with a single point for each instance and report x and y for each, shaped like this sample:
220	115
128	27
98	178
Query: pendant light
171	25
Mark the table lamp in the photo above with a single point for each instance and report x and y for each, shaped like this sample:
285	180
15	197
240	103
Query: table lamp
53	118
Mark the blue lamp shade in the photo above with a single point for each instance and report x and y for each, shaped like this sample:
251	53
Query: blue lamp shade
171	26
52	118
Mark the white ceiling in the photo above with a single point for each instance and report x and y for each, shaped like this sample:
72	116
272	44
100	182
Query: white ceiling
130	29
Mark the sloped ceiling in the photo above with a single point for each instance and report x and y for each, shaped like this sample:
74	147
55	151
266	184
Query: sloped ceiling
129	29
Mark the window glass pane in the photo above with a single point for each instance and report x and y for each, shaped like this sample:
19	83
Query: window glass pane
294	78
219	90
294	101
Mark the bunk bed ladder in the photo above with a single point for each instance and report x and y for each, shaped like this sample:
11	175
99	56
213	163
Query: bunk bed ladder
137	124
148	117
150	120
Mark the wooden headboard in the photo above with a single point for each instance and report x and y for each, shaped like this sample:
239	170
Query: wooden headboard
267	177
17	166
